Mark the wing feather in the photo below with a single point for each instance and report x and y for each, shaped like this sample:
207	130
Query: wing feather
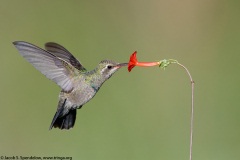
53	67
63	53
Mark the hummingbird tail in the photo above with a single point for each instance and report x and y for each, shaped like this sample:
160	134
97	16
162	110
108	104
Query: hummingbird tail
64	122
63	119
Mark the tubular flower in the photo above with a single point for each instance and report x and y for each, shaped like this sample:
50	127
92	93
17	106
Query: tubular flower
134	62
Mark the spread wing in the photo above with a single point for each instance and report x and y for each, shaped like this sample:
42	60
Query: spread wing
63	53
55	68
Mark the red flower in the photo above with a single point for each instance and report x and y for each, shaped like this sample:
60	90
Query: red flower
134	62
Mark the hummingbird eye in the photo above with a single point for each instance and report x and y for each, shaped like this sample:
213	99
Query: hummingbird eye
109	67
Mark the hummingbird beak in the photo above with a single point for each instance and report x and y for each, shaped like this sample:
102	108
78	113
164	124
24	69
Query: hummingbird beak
121	65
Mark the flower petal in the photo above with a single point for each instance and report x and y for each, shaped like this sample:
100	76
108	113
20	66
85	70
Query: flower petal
132	61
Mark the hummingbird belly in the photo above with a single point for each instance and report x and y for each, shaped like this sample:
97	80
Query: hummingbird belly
78	96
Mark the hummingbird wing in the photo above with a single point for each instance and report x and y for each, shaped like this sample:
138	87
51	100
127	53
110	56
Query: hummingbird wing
53	67
64	54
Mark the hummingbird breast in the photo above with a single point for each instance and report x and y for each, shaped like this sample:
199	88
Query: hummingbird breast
81	94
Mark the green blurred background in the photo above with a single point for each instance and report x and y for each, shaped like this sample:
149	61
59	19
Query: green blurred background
140	115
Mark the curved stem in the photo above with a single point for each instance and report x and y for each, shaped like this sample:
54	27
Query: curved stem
163	64
192	109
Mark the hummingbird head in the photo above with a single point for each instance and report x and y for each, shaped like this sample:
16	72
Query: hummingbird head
108	67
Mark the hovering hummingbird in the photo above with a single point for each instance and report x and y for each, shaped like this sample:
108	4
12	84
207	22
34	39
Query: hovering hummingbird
78	85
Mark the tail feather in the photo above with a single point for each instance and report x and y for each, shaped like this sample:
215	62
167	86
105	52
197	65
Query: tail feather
63	120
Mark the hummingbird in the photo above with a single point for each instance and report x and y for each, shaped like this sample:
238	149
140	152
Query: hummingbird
78	86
